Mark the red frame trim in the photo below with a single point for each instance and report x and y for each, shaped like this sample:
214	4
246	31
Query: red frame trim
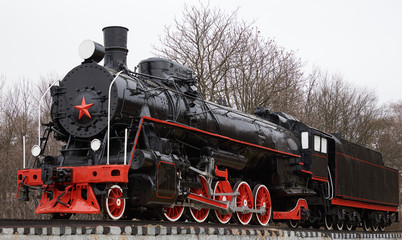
363	200
157	180
305	171
319	179
391	169
358	204
217	135
294	214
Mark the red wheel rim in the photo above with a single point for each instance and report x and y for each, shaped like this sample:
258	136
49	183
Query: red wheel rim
223	187
244	199
200	215
115	203
262	199
173	213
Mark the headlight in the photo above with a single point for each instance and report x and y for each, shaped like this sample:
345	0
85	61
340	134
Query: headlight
90	50
95	144
35	150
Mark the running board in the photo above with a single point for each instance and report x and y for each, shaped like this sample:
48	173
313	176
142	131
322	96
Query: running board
294	214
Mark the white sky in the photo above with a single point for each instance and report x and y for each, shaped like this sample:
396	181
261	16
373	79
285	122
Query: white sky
361	40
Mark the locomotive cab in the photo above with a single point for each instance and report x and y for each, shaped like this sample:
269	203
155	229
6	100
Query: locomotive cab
317	148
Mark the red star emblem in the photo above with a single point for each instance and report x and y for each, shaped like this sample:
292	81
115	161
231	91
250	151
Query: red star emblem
83	108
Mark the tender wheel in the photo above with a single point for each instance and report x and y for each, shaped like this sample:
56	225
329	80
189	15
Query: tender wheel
115	203
328	222
382	227
349	226
200	215
223	187
317	218
339	225
366	225
374	227
293	223
245	199
173	213
262	199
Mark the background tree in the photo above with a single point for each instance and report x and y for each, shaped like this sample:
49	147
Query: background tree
16	121
206	40
388	138
19	117
265	74
333	105
232	60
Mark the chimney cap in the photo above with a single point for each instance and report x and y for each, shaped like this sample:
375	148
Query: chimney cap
114	27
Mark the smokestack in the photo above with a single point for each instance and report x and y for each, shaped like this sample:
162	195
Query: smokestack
115	39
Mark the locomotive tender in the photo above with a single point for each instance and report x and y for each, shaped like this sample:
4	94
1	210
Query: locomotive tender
145	144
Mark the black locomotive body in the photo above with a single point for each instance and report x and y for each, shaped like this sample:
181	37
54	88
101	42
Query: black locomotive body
146	144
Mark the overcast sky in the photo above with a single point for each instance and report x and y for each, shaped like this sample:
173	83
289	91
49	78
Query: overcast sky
361	40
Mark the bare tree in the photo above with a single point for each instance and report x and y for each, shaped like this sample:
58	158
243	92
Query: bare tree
233	61
389	142
16	122
206	40
19	117
389	135
265	75
333	105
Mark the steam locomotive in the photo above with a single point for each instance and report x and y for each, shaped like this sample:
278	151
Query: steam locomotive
145	144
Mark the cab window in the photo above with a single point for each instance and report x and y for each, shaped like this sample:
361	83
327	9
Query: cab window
317	143
320	144
304	140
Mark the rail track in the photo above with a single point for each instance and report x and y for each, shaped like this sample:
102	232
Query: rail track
82	229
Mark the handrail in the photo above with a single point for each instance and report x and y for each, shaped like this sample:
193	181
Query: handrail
125	146
23	152
108	116
39	110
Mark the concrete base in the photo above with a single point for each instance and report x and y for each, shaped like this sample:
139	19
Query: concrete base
151	232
